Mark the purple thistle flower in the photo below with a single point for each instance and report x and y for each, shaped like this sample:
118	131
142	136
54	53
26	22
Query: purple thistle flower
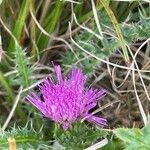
67	101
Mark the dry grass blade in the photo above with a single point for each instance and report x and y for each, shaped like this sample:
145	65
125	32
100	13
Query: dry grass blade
1	50
138	100
134	61
98	145
96	18
12	110
86	29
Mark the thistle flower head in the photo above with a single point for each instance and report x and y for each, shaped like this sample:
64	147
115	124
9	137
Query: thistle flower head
67	100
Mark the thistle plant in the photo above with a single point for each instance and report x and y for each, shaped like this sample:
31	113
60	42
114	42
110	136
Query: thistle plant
66	101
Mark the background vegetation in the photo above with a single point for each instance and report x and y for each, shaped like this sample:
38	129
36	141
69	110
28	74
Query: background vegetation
108	39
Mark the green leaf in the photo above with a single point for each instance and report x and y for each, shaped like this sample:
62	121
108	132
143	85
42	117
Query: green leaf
134	138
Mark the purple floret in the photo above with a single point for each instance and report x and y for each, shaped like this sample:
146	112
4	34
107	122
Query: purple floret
67	101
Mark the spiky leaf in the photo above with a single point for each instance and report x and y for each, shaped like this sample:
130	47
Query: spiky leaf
24	72
80	136
134	138
25	138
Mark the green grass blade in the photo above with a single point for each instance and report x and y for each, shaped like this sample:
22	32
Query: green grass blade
51	24
24	10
